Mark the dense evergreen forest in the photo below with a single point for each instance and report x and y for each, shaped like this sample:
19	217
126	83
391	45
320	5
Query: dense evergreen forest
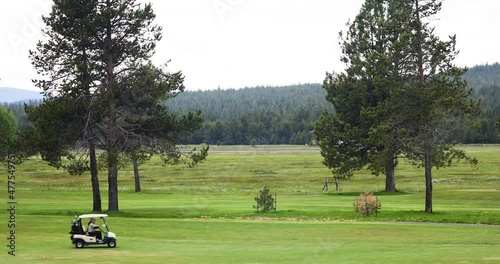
286	115
18	109
485	82
258	115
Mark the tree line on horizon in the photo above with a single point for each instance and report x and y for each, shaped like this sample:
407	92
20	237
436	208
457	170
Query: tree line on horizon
286	114
255	116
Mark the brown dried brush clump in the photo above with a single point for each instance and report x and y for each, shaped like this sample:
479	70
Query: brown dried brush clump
367	204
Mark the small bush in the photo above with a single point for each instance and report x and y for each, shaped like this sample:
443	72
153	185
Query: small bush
265	201
254	142
367	204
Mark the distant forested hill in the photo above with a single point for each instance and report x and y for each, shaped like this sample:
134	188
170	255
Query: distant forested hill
485	82
258	115
286	115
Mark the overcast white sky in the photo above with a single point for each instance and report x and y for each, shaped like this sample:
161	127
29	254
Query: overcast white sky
238	43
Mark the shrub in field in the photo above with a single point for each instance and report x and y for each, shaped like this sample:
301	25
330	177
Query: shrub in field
367	204
254	142
265	201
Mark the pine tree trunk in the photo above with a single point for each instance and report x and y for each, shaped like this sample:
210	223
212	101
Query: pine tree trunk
94	176
113	189
428	178
136	174
112	161
112	154
112	157
390	177
427	146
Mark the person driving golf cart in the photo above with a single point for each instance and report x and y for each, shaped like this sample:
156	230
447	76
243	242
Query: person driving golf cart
92	229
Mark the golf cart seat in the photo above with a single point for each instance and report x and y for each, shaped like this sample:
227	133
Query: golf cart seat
76	229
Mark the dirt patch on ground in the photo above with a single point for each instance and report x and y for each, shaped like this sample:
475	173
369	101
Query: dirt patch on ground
284	219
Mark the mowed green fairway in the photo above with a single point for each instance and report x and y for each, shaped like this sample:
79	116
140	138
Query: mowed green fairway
205	214
142	240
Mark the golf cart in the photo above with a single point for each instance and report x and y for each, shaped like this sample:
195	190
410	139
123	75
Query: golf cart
80	236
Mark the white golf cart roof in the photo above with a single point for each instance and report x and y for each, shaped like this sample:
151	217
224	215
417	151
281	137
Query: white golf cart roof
93	216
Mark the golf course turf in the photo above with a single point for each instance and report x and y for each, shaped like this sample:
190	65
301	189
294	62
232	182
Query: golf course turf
205	214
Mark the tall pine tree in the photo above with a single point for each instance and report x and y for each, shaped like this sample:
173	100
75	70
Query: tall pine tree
435	99
346	137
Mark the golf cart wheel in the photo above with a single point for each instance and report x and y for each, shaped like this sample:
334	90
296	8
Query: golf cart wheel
79	244
112	243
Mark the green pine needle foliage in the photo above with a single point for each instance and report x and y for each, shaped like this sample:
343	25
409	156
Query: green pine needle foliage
265	201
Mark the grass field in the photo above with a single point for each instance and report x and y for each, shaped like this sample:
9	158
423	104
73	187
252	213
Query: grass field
205	214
